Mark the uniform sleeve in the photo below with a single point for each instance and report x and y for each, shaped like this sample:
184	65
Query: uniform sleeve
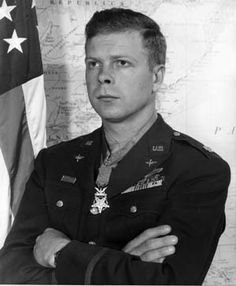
17	264
195	210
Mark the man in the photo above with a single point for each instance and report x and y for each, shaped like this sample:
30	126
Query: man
99	209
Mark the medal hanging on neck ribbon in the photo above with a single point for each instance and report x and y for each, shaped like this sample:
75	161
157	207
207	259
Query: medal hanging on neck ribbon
100	202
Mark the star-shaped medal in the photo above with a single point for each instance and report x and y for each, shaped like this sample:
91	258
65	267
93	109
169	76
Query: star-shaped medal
100	201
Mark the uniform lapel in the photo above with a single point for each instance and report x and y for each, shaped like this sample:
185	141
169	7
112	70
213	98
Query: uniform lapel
148	154
87	159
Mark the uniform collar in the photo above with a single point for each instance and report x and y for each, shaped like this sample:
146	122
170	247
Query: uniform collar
130	142
148	154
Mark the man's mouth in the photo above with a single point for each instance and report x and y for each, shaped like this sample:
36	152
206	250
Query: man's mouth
107	97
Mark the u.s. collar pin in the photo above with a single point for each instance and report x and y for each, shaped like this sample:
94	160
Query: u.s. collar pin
157	148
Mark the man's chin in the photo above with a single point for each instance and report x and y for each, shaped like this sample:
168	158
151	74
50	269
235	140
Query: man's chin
116	118
113	118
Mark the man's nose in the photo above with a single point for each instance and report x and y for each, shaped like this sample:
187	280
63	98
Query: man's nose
106	76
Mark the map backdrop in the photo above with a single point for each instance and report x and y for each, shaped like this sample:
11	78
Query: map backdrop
198	96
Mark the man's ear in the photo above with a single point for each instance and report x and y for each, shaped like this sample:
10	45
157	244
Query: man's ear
158	76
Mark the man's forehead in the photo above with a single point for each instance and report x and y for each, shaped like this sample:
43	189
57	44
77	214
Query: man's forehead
125	31
124	40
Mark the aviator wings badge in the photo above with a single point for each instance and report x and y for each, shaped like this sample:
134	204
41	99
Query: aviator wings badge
78	157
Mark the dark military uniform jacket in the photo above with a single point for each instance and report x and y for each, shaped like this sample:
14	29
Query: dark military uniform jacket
166	178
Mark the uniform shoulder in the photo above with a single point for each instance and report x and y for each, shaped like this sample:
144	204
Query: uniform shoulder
190	143
190	153
66	144
69	145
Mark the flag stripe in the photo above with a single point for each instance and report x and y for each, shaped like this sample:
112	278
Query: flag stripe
4	200
36	112
15	142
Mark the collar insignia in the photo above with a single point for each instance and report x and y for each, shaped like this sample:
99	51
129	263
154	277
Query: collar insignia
78	157
157	148
89	143
150	162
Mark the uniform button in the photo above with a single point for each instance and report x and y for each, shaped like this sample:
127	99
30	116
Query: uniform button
176	133
133	209
92	242
59	203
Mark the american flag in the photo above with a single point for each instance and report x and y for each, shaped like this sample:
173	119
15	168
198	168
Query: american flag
22	104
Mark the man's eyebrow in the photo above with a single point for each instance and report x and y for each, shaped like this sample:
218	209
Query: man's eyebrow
112	57
116	57
91	58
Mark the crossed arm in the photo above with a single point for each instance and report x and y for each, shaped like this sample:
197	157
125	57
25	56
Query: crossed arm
152	245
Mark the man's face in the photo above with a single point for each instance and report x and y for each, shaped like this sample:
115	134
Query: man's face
118	77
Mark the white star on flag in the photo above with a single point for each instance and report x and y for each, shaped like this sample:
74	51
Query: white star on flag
33	4
15	42
5	11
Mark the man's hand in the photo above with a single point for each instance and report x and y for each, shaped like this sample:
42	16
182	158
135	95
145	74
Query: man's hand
153	245
47	244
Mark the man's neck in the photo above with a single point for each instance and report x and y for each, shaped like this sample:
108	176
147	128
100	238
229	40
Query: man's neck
119	134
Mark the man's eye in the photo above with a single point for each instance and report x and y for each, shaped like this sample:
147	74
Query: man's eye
122	63
92	64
